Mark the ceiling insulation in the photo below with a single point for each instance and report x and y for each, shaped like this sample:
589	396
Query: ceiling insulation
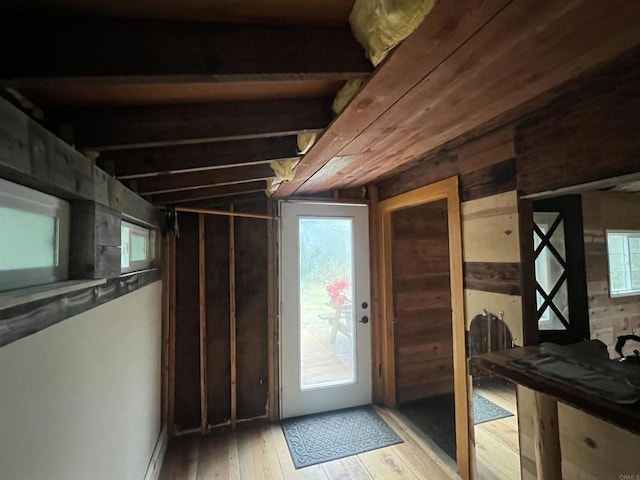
379	25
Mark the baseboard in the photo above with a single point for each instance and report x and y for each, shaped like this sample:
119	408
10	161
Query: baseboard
155	464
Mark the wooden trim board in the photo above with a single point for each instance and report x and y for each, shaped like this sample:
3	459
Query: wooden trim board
446	189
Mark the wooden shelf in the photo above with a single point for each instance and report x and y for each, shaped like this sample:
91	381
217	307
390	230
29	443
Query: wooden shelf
623	416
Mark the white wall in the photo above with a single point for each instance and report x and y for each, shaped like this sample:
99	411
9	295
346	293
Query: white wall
81	399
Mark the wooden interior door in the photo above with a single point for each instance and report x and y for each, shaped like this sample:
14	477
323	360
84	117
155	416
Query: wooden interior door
422	301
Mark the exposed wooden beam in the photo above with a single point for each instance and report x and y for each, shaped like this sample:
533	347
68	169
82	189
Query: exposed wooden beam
34	157
209	211
50	50
208	192
188	181
144	162
115	128
224	202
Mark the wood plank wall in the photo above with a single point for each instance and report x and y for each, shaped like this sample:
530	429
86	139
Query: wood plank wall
608	317
422	297
587	134
490	233
251	272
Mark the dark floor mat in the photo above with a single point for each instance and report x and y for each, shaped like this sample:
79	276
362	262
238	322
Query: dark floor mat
323	437
435	417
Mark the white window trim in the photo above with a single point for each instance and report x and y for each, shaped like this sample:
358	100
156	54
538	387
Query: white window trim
625	293
18	197
150	248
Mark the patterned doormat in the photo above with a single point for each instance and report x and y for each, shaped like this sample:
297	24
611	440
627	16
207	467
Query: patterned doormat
486	411
323	437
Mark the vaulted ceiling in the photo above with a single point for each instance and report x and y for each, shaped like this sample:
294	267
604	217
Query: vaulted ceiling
188	102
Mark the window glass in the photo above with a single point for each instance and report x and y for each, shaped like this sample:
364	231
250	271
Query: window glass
623	254
34	239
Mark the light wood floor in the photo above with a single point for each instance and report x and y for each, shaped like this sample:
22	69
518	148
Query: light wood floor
497	445
256	452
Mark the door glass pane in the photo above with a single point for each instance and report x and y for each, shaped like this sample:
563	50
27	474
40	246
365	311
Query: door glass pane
31	240
327	353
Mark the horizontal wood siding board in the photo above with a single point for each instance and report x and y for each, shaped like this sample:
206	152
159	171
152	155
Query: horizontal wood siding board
586	135
29	318
487	181
426	172
493	277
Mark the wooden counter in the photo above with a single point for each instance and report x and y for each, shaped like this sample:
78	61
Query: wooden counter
623	416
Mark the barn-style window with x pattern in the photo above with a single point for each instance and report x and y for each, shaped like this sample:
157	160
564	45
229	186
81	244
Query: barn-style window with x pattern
551	271
560	283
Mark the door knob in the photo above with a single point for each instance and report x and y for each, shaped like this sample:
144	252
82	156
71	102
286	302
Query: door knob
364	319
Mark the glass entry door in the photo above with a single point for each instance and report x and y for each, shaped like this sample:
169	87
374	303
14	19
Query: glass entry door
325	334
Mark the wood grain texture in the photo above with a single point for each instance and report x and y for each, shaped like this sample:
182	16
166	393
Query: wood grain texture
187	337
202	303
258	450
511	305
207	193
585	136
34	157
28	318
153	50
443	31
175	182
233	320
608	317
142	162
492	277
551	46
487	181
251	280
546	437
490	229
478	161
217	298
446	189
95	242
419	235
117	128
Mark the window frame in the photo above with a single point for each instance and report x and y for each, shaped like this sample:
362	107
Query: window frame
631	292
150	250
19	197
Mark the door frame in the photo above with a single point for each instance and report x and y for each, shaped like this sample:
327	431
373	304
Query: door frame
446	189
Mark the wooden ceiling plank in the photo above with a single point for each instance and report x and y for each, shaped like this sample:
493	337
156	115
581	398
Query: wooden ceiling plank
206	193
145	162
117	128
529	49
447	26
99	49
193	180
